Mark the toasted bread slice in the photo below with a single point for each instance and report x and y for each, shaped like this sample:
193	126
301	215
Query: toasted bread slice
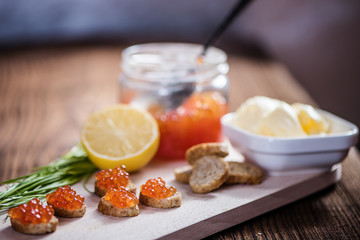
170	202
107	208
182	174
205	149
40	228
99	191
70	213
208	174
240	172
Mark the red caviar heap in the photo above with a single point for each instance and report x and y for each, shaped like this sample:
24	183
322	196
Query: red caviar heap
33	212
121	197
112	178
65	197
155	188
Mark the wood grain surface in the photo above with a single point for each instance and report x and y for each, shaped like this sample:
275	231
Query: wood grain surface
47	93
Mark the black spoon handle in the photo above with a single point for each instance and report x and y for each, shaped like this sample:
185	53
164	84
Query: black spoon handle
241	4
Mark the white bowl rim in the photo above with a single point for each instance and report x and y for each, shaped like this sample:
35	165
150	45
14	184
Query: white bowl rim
312	143
353	129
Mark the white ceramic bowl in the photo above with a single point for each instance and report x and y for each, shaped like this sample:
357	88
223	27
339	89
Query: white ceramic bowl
295	155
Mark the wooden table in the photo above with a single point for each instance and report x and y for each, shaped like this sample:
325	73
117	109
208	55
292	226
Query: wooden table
47	93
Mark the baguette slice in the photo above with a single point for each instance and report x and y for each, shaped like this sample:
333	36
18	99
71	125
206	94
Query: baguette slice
205	149
208	174
107	208
170	202
240	172
182	174
69	213
99	191
40	228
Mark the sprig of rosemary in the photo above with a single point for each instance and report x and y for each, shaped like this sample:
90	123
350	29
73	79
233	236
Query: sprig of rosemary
66	170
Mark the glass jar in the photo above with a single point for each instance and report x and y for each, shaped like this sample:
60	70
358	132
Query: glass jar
185	94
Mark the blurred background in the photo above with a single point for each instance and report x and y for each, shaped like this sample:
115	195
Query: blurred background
317	40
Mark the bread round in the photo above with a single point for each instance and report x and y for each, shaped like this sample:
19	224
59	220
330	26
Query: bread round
69	213
182	174
99	191
170	202
39	228
205	149
107	208
240	172
208	174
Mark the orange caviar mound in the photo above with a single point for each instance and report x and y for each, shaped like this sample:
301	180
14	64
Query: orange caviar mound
112	178
65	197
155	188
33	212
121	198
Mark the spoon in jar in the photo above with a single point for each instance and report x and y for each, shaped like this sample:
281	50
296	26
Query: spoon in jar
241	4
176	98
175	95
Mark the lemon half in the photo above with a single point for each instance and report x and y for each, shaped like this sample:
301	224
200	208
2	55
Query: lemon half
120	135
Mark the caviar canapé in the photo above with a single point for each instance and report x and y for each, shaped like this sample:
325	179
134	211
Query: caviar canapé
33	212
155	188
121	198
65	197
112	178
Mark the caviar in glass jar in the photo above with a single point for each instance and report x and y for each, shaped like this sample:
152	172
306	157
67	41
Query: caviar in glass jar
155	188
121	198
187	97
112	178
65	197
196	121
33	212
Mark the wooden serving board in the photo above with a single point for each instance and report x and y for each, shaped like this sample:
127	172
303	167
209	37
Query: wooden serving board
200	215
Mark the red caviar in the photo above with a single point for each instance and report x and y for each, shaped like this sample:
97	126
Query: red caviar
155	188
121	197
112	178
33	212
196	121
65	197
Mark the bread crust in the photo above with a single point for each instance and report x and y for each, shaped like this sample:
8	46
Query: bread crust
246	173
107	208
182	174
69	213
99	191
39	228
205	149
209	173
170	202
